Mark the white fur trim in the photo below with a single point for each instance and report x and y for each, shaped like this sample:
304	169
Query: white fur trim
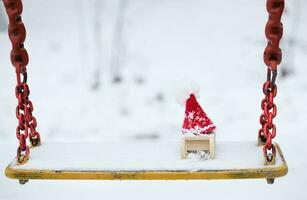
183	93
196	130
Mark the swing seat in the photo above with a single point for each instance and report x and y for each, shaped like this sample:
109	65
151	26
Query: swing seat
140	160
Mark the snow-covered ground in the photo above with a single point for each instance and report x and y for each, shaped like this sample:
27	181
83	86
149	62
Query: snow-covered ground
158	45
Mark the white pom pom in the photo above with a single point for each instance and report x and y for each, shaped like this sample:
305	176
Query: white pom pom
184	91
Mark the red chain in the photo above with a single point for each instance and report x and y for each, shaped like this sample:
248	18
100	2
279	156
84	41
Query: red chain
19	58
272	58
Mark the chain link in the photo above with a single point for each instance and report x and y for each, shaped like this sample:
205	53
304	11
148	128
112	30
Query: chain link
273	32
19	57
272	58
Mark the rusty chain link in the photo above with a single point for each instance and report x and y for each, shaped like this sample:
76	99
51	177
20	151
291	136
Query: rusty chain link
272	58
19	58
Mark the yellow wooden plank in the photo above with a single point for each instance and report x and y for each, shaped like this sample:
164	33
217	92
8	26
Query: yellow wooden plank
265	172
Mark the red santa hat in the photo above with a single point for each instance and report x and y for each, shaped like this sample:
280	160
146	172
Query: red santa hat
196	121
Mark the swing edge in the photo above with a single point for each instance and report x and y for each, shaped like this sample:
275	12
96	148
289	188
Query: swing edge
252	173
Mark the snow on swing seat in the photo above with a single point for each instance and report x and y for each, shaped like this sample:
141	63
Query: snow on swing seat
144	160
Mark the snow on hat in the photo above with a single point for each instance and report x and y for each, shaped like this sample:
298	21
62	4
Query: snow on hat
196	121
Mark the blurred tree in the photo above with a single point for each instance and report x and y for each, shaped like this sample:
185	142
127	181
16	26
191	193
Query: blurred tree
118	46
3	22
84	44
97	31
292	12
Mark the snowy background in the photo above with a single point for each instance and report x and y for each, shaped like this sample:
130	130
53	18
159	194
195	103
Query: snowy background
103	70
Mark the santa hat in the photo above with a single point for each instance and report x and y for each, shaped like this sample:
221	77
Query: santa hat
196	121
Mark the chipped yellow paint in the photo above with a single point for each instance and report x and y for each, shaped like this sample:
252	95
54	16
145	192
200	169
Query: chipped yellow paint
265	172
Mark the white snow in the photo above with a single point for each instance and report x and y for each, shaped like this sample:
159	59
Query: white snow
197	130
141	155
203	155
218	44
